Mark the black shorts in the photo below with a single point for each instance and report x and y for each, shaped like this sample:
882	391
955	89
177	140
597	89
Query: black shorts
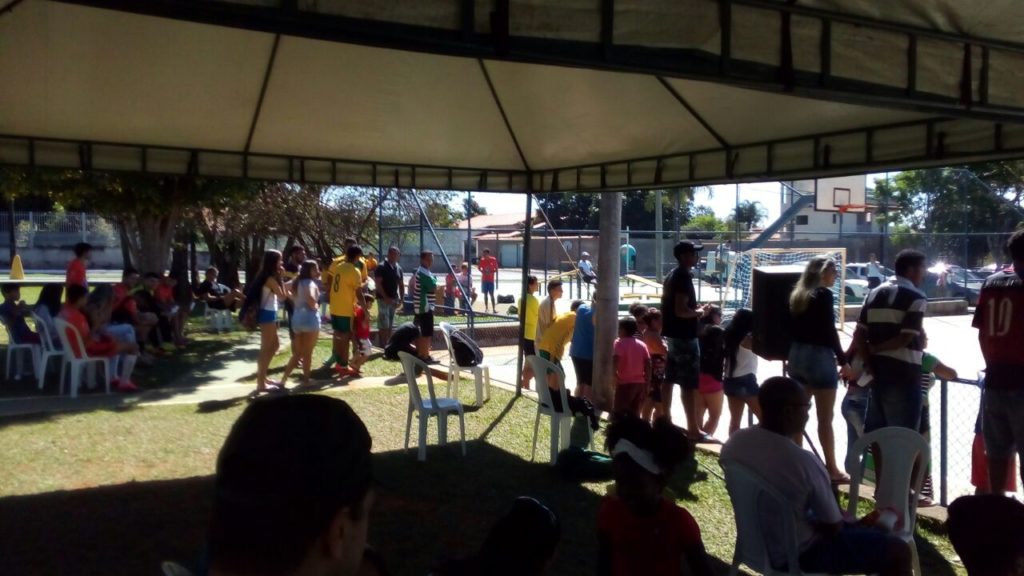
528	348
584	370
425	322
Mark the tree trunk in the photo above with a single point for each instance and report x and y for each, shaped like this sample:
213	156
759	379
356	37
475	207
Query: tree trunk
126	248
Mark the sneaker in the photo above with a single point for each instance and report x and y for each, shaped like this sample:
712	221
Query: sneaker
343	370
125	386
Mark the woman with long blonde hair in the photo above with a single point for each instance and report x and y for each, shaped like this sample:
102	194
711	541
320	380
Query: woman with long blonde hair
815	352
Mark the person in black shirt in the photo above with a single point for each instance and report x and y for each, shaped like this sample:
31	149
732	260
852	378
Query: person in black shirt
403	340
216	295
389	279
815	352
681	314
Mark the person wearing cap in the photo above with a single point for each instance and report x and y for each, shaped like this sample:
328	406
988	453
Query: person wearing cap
680	316
826	542
293	490
586	268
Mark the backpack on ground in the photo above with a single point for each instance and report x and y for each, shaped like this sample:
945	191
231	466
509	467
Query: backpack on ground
467	353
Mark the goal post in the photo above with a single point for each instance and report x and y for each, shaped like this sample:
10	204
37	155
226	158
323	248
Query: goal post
736	291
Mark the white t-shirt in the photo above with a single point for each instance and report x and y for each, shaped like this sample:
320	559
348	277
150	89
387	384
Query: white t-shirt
746	363
586	267
796	473
874	271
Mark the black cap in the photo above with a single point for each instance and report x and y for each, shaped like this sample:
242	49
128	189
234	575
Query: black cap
686	246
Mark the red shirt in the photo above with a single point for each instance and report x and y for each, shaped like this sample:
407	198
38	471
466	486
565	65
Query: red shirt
362	327
163	293
75	273
652	546
75	317
999	319
488	267
124	302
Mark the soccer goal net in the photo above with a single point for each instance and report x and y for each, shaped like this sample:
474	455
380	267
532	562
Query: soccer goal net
736	291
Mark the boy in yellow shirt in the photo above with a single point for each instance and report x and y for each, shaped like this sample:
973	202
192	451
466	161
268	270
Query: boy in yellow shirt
528	316
346	291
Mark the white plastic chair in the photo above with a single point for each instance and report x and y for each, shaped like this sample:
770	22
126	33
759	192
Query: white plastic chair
431	406
561	422
14	353
481	372
69	334
747	491
900	448
49	348
218	318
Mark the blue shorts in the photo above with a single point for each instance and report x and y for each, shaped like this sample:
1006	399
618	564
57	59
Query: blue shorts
487	287
1003	422
895	395
266	316
813	366
853	550
682	366
741	386
305	320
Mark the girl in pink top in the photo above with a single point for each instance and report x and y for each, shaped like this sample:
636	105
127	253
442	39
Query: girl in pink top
632	363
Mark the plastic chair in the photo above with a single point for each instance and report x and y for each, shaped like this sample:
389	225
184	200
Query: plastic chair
49	348
69	334
481	372
900	448
747	491
14	353
218	318
432	406
561	422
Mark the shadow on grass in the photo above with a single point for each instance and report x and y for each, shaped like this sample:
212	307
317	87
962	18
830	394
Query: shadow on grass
424	511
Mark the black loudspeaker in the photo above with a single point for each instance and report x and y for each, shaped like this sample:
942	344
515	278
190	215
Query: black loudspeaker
769	299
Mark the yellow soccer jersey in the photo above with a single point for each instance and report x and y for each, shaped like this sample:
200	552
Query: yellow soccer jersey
345	282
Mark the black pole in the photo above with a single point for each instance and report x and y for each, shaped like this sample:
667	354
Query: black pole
444	256
380	224
10	229
527	240
467	297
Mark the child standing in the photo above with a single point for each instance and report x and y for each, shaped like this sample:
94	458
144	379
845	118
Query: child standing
710	395
740	381
363	346
632	364
528	316
930	368
654	406
639	530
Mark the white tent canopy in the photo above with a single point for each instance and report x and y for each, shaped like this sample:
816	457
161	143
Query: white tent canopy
509	95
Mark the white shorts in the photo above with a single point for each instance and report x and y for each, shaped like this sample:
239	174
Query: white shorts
365	347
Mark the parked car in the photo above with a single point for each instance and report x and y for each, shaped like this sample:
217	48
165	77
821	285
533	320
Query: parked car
856	288
859	271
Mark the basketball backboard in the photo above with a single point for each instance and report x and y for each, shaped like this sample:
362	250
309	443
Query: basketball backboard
834	198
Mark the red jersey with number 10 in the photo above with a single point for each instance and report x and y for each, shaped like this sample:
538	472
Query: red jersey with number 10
999	319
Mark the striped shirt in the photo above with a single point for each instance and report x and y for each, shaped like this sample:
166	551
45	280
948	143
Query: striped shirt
892	309
423	290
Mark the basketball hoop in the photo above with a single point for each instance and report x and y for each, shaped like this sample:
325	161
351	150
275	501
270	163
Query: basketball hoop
844	208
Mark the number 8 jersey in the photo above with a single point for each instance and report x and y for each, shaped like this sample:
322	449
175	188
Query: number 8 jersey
999	319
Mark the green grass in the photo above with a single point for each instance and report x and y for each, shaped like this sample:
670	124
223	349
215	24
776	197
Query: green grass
136	483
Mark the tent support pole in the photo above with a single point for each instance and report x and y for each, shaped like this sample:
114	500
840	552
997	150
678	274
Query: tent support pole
527	240
606	301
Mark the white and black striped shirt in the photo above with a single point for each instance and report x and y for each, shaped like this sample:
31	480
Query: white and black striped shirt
895	308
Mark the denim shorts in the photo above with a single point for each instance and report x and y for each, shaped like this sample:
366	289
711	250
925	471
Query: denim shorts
813	366
853	550
895	395
741	386
266	316
385	316
1003	422
305	320
683	363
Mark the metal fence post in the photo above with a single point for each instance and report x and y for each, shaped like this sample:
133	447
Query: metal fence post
81	216
943	441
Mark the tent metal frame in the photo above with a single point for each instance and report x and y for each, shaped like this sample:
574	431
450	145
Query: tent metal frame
753	162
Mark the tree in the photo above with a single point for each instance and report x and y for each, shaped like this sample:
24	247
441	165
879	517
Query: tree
473	208
578	211
750	213
979	202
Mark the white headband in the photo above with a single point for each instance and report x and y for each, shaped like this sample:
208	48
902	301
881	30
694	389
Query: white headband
642	457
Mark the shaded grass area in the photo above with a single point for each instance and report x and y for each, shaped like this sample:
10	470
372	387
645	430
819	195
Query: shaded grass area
115	492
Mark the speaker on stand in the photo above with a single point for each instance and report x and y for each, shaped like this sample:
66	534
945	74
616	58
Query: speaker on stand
769	301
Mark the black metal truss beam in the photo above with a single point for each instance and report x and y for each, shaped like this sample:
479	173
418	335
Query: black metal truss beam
721	68
931	142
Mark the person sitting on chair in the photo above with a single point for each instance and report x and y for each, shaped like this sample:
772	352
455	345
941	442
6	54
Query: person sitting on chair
13	312
827	543
216	295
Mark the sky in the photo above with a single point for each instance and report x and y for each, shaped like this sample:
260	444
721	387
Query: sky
721	198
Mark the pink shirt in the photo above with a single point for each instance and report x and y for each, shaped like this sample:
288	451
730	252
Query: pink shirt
633	356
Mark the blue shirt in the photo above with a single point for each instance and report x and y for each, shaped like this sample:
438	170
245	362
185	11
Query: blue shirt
583	334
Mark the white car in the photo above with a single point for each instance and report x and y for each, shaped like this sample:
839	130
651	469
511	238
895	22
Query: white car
856	288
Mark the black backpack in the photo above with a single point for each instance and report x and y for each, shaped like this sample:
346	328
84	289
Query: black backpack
467	353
